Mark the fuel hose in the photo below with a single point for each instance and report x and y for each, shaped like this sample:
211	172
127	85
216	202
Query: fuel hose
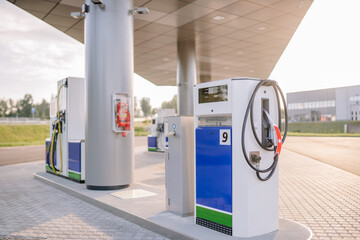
55	135
249	110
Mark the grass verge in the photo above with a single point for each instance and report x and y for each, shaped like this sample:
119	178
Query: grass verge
141	128
22	135
330	127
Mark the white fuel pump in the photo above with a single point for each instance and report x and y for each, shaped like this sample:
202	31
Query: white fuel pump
65	149
237	145
157	140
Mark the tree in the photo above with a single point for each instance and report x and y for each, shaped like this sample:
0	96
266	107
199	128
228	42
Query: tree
24	106
171	104
3	108
145	106
137	111
153	111
42	110
12	108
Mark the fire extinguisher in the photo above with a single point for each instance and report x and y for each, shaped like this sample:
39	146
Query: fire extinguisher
123	117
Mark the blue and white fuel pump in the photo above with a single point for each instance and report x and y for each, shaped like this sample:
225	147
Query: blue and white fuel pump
237	145
65	149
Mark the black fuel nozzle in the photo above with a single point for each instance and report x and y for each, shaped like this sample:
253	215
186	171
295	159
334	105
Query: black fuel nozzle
62	116
55	126
269	137
268	129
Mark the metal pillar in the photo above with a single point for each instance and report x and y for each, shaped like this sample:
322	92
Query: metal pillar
186	77
109	69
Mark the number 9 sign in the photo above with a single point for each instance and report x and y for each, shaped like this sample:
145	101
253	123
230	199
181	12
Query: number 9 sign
225	137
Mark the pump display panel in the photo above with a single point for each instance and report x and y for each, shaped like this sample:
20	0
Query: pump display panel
213	94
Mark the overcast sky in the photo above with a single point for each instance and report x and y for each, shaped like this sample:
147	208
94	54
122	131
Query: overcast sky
34	56
325	50
324	53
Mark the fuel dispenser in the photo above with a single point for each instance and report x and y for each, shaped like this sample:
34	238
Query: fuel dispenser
157	140
179	165
65	149
237	146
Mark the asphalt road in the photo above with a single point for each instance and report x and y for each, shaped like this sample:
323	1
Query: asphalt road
340	152
13	155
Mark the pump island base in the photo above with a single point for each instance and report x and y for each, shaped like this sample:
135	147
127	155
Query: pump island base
143	203
212	189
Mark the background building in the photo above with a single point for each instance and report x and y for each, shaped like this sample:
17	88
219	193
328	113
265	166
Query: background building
325	104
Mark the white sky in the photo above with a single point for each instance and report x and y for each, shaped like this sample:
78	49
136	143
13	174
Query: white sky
34	56
325	50
324	53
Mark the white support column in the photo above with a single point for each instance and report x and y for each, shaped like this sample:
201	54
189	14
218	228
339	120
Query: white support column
186	76
109	68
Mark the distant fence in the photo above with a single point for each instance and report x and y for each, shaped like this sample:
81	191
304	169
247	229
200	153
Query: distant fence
34	121
23	120
325	127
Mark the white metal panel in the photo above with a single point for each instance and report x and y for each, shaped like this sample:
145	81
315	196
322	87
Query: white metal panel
76	108
82	162
255	203
179	162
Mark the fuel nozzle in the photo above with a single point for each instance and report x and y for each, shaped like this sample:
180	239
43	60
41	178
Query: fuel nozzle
275	136
269	137
55	126
271	131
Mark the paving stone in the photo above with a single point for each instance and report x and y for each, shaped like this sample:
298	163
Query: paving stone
322	197
32	210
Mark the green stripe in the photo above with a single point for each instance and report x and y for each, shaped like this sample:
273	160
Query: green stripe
152	149
74	175
48	168
214	216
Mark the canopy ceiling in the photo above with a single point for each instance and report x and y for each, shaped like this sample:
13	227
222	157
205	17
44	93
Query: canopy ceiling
233	37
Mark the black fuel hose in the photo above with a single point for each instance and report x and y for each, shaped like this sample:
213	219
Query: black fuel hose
249	109
53	151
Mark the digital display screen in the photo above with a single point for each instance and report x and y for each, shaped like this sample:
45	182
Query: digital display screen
213	94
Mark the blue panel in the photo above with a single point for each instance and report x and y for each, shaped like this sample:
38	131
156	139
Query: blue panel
152	142
47	154
213	169
75	156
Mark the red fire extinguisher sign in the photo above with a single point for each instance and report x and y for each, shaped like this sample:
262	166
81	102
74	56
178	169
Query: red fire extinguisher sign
121	120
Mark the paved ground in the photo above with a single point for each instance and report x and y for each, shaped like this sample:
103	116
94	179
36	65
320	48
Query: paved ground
33	210
323	197
341	152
